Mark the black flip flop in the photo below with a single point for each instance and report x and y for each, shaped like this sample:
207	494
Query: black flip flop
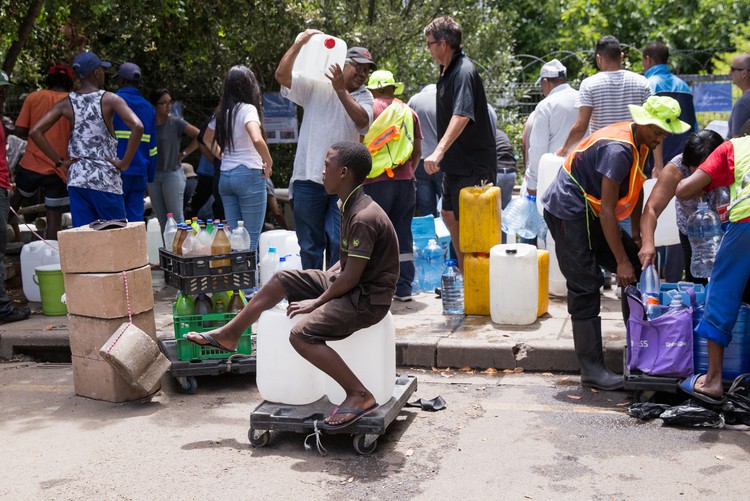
358	414
210	341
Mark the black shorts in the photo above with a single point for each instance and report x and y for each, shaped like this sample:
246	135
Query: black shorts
28	183
452	185
338	318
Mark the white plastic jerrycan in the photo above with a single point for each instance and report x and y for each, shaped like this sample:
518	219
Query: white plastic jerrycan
284	241
283	376
371	354
666	232
514	284
154	240
557	283
34	254
549	166
318	54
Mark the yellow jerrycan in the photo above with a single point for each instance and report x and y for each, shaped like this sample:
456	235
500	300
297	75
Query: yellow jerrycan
481	205
477	284
543	261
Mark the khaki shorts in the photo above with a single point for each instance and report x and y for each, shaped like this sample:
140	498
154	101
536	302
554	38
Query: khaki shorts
338	318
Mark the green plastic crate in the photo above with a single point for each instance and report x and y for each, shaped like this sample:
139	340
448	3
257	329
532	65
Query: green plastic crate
204	323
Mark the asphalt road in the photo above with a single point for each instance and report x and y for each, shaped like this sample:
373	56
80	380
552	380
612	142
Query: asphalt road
503	436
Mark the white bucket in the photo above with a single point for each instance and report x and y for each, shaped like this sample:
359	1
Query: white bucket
549	166
666	232
283	376
34	254
514	284
371	354
318	54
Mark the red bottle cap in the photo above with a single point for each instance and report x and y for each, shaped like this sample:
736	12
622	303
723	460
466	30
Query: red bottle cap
329	43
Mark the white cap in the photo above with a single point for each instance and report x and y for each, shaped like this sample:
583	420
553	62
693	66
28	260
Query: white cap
552	69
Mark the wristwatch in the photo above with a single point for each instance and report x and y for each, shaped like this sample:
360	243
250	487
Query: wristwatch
184	153
59	163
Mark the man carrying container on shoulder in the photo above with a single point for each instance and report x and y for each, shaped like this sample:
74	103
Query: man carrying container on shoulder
600	184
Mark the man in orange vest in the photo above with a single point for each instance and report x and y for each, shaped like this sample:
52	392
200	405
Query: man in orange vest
600	184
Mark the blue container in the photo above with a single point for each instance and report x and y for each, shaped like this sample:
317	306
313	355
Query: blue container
736	355
700	293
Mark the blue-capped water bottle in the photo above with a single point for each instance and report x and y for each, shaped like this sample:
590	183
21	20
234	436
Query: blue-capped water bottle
650	286
452	283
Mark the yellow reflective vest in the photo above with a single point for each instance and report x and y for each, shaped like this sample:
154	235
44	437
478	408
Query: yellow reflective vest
390	139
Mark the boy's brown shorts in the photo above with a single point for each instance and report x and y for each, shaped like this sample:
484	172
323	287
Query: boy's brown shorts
338	318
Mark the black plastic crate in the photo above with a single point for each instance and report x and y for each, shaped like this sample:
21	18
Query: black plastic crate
195	274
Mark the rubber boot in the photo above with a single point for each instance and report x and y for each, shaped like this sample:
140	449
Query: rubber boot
587	336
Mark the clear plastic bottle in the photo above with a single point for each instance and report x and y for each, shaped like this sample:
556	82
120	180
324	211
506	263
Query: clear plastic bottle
416	286
170	228
432	262
521	217
452	283
268	265
203	239
650	286
704	233
722	203
242	237
189	245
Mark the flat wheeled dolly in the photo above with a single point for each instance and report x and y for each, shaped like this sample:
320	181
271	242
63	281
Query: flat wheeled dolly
185	371
269	416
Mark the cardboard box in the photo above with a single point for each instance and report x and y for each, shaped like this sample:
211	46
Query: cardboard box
102	295
83	250
98	380
88	335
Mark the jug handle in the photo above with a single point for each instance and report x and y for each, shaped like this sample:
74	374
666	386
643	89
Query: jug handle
35	279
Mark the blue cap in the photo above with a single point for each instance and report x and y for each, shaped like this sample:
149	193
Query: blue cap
130	72
86	62
451	262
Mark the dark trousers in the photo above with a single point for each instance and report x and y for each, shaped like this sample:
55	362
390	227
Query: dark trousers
203	191
581	264
397	199
6	303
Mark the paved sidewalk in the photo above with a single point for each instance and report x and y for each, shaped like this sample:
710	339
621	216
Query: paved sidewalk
424	337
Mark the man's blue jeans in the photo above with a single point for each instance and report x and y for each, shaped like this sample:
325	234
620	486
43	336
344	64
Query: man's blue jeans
429	190
317	220
243	193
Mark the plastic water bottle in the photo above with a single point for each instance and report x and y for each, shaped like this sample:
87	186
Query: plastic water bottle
415	285
650	286
170	228
183	305
452	283
243	236
203	239
521	217
432	259
189	245
675	303
268	265
704	233
722	203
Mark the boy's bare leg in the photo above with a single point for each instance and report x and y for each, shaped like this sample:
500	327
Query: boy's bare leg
228	335
326	359
711	384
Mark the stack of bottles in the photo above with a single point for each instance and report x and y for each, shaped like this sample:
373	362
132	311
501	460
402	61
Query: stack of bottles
203	303
196	238
481	205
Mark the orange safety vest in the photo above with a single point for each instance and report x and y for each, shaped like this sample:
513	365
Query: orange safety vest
622	132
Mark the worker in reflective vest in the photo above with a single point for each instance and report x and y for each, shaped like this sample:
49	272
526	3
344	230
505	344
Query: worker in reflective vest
600	184
395	143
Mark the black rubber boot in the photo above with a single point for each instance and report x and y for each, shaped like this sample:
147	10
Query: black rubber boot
587	336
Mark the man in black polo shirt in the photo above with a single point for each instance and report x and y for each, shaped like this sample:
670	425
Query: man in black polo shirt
466	148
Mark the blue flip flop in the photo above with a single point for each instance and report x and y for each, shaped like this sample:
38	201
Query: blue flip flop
358	414
688	386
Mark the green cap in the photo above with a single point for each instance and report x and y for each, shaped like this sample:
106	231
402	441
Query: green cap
661	111
384	78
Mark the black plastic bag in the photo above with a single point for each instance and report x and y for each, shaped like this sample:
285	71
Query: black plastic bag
647	410
692	413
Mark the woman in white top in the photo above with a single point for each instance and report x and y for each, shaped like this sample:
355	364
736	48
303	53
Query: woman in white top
236	132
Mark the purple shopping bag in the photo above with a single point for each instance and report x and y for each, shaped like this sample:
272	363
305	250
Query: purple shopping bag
662	346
